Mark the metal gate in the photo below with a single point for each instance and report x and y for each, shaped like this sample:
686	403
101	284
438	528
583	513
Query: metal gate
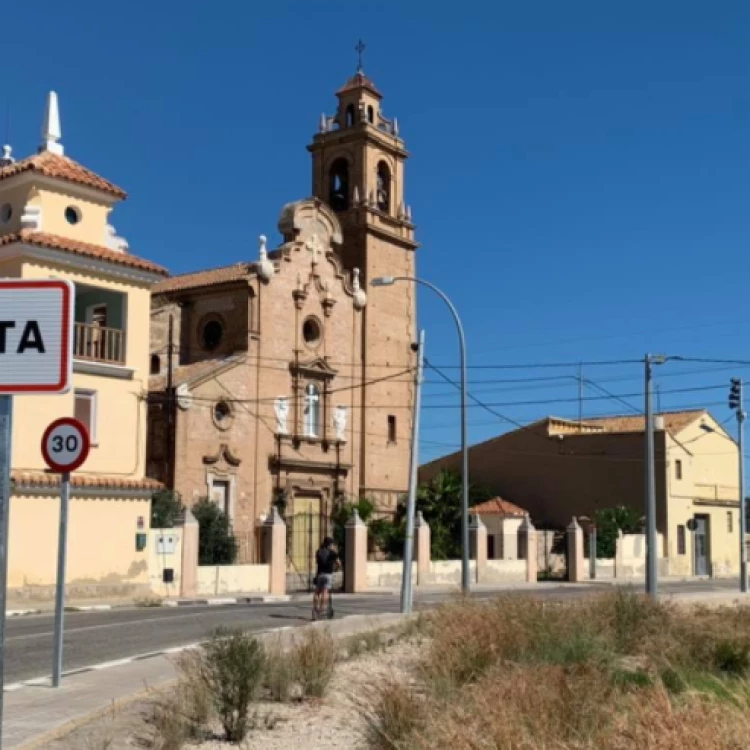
305	533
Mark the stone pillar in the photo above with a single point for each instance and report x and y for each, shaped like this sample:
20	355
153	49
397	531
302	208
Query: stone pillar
576	566
619	556
189	573
422	553
527	548
274	552
478	546
592	552
355	564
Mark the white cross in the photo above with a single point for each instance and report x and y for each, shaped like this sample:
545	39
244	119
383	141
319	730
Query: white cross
314	246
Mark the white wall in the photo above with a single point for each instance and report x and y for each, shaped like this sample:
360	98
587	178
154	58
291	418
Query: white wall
232	579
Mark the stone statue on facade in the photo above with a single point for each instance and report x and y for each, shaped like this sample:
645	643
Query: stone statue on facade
339	422
281	407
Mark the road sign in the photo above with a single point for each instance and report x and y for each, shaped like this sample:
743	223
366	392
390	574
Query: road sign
65	445
36	336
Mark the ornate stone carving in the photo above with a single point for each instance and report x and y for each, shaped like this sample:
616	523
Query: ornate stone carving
339	422
281	407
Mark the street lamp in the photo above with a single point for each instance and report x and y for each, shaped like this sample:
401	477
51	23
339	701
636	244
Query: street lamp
389	281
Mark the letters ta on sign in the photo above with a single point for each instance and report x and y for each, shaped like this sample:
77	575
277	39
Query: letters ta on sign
36	336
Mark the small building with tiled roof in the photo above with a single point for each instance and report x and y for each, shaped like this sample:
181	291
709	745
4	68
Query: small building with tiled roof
55	223
284	381
503	520
558	468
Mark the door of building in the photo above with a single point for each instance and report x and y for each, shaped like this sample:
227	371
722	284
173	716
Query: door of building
700	545
304	537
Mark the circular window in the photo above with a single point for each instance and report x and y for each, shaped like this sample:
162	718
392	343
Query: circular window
311	332
212	334
72	215
222	415
5	213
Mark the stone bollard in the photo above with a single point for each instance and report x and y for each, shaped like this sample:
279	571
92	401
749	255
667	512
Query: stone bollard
355	563
478	546
575	553
274	552
189	573
422	552
527	548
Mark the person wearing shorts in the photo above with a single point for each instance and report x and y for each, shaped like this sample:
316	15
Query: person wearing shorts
327	560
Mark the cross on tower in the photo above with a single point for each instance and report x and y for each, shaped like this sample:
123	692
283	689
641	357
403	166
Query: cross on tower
360	48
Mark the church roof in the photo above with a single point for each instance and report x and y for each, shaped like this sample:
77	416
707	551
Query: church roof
55	242
63	168
209	277
359	81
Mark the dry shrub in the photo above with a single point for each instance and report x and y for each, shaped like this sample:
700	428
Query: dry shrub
232	665
392	713
313	659
280	672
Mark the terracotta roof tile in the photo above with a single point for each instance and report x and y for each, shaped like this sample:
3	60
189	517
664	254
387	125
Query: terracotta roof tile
359	81
63	168
498	507
222	275
54	242
674	421
45	479
191	372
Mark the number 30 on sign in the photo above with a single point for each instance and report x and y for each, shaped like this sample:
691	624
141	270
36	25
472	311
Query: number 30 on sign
65	445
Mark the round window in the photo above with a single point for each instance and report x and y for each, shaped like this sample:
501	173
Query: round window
5	213
72	215
311	332
212	334
222	412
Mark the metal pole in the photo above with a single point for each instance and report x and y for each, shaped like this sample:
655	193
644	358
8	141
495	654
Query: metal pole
6	434
411	505
743	510
62	556
465	584
170	407
651	552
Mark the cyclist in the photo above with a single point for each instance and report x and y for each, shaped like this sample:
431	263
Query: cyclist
327	560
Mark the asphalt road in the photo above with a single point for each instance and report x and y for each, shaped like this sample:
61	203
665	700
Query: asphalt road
96	637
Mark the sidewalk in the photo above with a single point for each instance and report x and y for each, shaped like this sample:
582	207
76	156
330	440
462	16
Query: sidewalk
34	716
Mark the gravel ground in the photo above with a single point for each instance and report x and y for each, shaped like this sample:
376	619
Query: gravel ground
333	722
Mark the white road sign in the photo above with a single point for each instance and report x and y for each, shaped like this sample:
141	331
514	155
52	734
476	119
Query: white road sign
36	336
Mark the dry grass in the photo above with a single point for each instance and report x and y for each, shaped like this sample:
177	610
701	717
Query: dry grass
313	659
609	673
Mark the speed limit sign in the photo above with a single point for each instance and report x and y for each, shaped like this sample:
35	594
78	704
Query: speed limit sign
65	445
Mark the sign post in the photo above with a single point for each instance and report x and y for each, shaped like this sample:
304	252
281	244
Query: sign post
36	348
65	446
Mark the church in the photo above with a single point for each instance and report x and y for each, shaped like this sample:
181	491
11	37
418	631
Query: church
287	380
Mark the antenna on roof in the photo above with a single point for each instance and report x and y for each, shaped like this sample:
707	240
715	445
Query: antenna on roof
51	131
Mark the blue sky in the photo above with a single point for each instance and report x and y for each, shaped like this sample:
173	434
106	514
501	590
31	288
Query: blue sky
579	175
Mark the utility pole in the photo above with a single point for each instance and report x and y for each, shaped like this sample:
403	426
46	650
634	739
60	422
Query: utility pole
580	395
736	403
411	506
651	552
170	406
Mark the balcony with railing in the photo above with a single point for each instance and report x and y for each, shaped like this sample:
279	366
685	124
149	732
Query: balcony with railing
99	330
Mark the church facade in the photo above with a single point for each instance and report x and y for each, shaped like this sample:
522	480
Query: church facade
288	380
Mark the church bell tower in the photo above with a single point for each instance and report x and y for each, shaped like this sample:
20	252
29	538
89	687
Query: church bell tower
358	160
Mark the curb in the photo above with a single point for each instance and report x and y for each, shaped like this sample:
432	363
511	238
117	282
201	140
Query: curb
222	602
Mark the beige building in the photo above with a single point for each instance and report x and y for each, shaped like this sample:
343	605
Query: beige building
283	369
559	468
54	223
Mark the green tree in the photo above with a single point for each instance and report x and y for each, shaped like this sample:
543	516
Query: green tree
216	544
440	503
166	507
608	522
